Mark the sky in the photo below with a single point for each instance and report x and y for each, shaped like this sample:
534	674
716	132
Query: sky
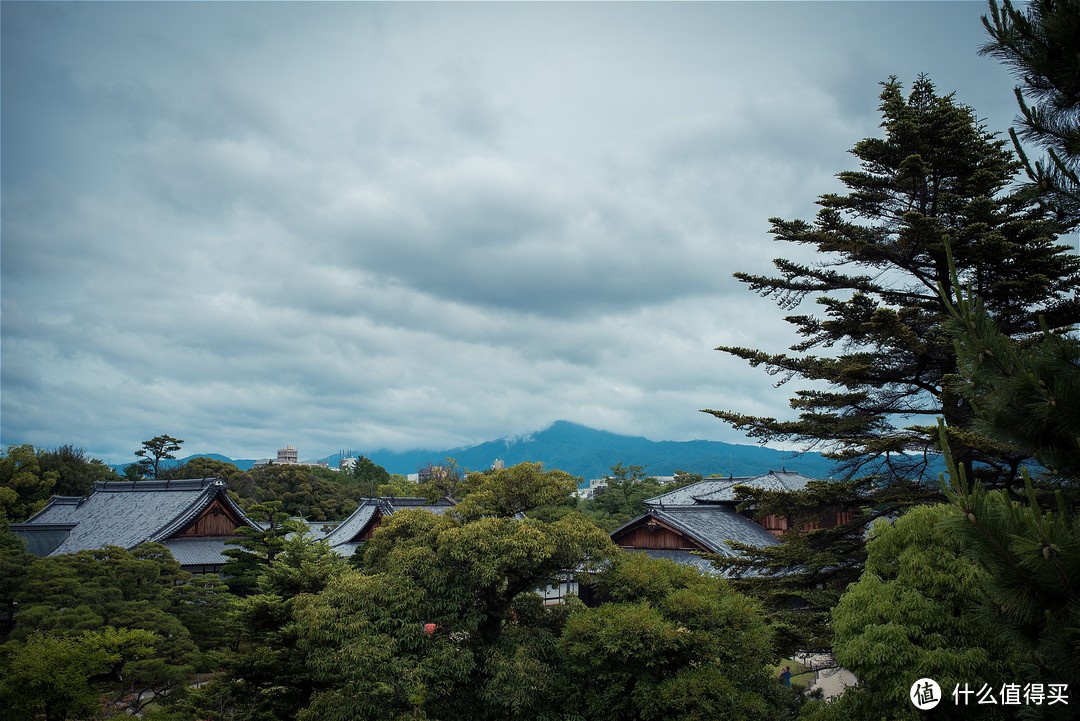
408	225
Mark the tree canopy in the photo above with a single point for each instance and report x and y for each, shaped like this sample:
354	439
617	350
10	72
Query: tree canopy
880	374
1041	44
154	451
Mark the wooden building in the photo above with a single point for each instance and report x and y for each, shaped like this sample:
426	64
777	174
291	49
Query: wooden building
702	518
193	518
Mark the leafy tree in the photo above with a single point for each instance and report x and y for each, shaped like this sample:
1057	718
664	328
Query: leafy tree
801	580
202	467
666	642
445	481
1026	396
398	485
62	677
76	472
14	561
628	487
914	613
131	591
156	450
24	488
1041	43
255	550
266	675
315	494
442	621
368	475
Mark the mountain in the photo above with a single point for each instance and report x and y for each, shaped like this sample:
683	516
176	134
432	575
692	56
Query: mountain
590	453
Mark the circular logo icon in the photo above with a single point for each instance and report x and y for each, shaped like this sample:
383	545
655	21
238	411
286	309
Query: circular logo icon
925	694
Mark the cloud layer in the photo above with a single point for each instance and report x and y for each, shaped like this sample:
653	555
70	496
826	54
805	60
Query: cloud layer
361	226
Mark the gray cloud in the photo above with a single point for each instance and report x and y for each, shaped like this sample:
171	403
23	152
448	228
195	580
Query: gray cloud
420	225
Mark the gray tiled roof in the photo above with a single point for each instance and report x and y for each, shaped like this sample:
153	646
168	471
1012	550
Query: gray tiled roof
352	526
198	551
771	481
714	526
685	496
343	538
722	490
127	514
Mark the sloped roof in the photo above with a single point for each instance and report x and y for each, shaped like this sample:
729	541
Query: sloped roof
352	526
722	490
205	551
127	514
713	527
771	481
344	538
685	558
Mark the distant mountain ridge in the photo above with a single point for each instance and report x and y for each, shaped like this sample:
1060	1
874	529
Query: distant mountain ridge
590	453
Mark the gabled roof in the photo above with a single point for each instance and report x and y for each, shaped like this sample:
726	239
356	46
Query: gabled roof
129	513
722	490
347	535
710	526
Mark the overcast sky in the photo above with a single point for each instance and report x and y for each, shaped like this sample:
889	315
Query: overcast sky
364	226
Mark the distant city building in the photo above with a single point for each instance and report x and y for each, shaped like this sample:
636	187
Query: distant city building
287	455
498	465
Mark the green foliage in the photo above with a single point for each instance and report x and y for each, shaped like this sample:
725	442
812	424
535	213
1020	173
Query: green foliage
800	580
255	550
879	357
624	497
14	561
28	477
1031	559
154	451
202	467
265	676
1041	43
508	491
445	481
915	613
139	591
317	494
471	573
76	472
62	677
936	175
669	643
368	475
24	487
1026	395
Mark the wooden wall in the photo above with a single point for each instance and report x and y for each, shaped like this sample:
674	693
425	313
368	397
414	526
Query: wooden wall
216	520
657	536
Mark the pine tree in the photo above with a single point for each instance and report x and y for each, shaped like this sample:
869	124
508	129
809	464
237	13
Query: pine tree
1026	395
937	174
1042	46
879	364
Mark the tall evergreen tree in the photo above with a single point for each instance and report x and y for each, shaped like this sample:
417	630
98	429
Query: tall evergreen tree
1041	43
937	174
1028	396
878	364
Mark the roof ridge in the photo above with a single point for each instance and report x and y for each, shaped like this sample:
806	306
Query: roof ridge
179	484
